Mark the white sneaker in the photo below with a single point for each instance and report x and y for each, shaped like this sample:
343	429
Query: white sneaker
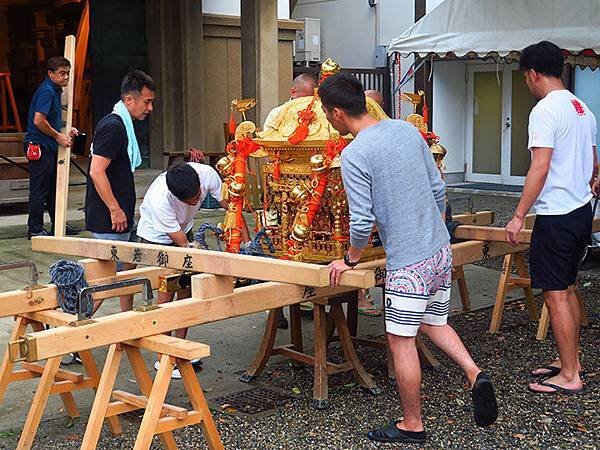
196	363
176	375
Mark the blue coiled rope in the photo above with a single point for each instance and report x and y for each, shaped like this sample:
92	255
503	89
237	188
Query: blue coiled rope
200	236
69	278
254	247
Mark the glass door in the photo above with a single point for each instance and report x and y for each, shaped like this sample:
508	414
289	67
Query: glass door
498	107
484	116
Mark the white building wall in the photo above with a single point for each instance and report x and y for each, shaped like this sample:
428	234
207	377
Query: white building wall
348	30
449	114
232	7
587	88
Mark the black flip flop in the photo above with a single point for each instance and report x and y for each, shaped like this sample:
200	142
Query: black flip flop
485	407
557	389
552	371
391	433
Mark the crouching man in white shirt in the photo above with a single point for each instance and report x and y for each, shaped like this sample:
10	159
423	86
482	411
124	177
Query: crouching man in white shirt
168	210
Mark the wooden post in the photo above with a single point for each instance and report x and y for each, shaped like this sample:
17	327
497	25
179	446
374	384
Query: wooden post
64	153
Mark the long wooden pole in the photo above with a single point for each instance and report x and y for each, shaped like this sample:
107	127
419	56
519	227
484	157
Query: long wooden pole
169	316
23	301
64	153
196	311
218	263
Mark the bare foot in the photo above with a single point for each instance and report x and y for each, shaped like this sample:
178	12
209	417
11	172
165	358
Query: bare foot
541	371
417	427
557	384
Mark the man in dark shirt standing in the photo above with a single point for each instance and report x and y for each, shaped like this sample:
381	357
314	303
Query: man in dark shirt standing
44	125
110	197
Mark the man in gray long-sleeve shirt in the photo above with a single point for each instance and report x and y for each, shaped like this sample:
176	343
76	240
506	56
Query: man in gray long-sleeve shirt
391	180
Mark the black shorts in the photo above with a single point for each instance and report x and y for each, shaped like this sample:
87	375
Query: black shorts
557	244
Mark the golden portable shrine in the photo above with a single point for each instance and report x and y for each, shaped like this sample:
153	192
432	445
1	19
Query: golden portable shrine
304	207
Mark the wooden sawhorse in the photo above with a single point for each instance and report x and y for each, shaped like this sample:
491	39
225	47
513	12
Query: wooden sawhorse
159	418
508	282
52	380
325	323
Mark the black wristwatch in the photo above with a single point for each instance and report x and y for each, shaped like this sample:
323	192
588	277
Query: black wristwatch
348	262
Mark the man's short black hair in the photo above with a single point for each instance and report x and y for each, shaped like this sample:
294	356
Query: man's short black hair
56	62
544	57
135	81
343	91
182	181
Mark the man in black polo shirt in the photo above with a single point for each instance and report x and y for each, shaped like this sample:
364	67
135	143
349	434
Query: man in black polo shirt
44	136
110	197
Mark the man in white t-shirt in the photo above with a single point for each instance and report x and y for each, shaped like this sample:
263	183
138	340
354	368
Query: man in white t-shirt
173	199
559	183
168	210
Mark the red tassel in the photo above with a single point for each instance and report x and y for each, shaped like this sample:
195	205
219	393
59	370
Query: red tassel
232	126
276	171
299	134
425	111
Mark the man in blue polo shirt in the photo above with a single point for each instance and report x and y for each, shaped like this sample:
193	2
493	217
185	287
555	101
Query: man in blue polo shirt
44	125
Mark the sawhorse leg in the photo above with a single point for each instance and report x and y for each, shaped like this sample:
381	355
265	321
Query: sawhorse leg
6	367
265	351
364	379
102	398
156	400
527	290
146	386
38	404
198	401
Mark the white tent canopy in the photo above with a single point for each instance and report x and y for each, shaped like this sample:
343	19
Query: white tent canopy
502	28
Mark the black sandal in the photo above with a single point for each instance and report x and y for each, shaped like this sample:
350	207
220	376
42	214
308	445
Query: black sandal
556	389
552	371
391	433
485	408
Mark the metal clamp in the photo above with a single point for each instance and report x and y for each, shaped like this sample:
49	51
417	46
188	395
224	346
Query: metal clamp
175	282
85	295
35	276
22	349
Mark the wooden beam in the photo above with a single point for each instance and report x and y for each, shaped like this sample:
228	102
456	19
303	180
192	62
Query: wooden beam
462	253
171	345
494	234
497	234
161	343
131	325
478	218
141	401
21	302
64	153
218	263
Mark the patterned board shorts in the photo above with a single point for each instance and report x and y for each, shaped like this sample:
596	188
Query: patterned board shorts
419	293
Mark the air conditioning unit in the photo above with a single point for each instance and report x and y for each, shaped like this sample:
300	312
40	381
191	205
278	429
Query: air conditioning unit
308	41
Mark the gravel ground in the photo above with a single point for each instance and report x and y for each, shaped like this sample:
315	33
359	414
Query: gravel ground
526	420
